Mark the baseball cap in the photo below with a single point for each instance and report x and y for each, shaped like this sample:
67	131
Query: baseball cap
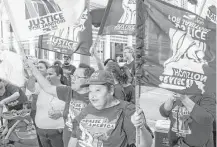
100	77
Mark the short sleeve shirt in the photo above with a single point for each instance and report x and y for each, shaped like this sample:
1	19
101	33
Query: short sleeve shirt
16	104
75	103
110	127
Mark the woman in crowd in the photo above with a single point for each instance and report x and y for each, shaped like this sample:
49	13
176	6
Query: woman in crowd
107	121
31	85
76	97
49	109
129	89
191	120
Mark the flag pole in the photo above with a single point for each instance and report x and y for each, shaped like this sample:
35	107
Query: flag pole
8	10
98	37
139	52
201	9
88	5
17	37
1	20
102	24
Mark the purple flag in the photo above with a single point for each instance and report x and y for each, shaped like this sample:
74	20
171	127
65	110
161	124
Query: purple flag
74	39
183	58
119	18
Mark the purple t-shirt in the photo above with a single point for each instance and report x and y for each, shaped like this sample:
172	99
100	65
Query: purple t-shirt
110	127
75	102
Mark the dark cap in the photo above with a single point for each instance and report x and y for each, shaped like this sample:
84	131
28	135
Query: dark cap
100	77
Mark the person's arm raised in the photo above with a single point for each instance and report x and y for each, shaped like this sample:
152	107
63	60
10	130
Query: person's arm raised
30	84
43	82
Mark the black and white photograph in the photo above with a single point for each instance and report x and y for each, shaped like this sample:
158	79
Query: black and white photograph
108	73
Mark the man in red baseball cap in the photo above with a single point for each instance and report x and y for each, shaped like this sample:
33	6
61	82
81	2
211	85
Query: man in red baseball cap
108	121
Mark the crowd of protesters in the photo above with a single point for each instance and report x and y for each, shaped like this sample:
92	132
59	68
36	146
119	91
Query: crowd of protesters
87	107
104	92
66	102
